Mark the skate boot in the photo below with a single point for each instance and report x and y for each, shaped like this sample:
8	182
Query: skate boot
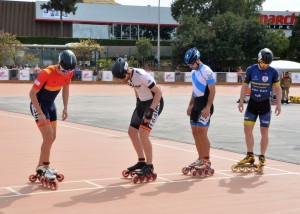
40	171
48	180
262	163
133	169
145	173
246	164
187	170
203	168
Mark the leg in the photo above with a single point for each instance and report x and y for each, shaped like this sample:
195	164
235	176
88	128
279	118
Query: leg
203	142
49	134
197	138
136	141
248	130
144	136
264	140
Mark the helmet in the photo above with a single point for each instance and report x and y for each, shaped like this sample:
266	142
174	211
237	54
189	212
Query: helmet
265	55
67	60
191	56
119	68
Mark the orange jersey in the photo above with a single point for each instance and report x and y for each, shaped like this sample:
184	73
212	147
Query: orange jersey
49	83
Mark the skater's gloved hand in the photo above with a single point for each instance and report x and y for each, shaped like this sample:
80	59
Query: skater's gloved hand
148	113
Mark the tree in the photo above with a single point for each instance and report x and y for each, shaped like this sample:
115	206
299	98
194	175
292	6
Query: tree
204	10
67	6
10	47
294	48
86	50
144	49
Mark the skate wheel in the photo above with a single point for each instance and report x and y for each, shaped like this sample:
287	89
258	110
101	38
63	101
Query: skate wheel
242	168
211	172
154	177
206	172
256	168
54	185
262	169
60	177
125	173
45	183
32	178
132	173
142	178
194	173
249	168
185	170
234	168
148	178
200	172
135	179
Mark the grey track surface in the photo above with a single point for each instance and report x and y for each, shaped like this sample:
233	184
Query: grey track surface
226	131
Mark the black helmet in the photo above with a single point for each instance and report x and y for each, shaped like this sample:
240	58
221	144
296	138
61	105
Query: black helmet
119	68
67	60
265	55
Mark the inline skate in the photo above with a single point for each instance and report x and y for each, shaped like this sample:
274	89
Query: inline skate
247	164
47	177
191	167
203	169
133	169
262	163
146	173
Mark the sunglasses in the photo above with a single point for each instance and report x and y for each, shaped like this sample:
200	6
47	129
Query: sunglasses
65	71
190	65
263	64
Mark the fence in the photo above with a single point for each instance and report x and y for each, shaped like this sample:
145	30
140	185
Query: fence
106	76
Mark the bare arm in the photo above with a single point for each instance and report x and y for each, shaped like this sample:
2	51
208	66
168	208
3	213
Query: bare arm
278	92
191	103
35	103
65	97
212	92
242	96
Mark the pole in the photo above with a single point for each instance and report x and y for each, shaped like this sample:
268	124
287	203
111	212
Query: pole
158	37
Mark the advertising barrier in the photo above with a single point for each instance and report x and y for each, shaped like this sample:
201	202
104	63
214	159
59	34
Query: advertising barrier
87	75
24	74
231	77
295	77
169	76
4	74
107	76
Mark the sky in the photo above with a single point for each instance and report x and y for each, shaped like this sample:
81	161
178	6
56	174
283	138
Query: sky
269	5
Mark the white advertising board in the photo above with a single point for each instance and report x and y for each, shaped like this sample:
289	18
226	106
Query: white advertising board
107	76
169	76
4	74
231	77
86	75
295	77
24	74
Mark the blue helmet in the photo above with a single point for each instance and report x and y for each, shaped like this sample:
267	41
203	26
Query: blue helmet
191	56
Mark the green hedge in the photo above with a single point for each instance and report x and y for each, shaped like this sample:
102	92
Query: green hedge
64	40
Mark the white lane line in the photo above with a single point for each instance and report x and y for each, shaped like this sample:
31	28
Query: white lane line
196	178
13	191
93	184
